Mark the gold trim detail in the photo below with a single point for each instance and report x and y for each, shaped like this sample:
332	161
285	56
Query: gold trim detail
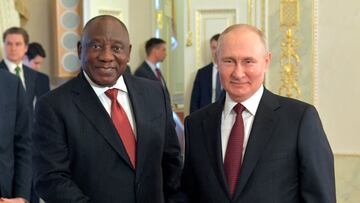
189	33
160	19
289	58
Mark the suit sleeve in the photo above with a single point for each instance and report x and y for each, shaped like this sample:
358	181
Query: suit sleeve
317	179
171	162
53	181
22	147
195	94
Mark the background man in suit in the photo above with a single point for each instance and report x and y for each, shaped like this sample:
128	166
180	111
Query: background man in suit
15	144
155	53
34	56
92	145
207	87
16	42
252	145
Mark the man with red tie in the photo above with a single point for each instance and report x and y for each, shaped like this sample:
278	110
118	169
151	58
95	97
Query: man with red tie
252	145
106	136
155	53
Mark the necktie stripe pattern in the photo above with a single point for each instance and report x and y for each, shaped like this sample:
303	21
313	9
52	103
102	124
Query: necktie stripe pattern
122	125
233	155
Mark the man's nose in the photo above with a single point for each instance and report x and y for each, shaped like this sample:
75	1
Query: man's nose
239	70
106	54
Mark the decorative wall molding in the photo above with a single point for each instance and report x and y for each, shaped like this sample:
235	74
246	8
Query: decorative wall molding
68	25
209	22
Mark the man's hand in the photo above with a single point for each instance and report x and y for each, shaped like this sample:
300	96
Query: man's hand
13	200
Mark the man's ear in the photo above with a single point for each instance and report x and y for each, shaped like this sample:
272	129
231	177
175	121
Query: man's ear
79	49
128	58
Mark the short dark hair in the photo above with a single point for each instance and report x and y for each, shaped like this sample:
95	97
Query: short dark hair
151	43
35	49
215	37
17	30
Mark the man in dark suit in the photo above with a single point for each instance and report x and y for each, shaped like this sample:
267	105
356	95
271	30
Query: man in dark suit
106	136
206	88
253	145
16	42
155	53
15	144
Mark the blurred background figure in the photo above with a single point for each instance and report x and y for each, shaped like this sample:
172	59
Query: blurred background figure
35	56
207	88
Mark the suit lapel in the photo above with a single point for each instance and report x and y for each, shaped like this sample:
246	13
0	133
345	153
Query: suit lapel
30	80
142	120
150	72
212	128
89	104
261	132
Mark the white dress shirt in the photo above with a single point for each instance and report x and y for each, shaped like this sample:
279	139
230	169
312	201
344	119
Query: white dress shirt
213	83
122	98
11	66
228	118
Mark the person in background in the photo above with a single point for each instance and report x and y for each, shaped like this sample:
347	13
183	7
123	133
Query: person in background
34	56
16	42
15	141
207	87
252	145
155	53
106	136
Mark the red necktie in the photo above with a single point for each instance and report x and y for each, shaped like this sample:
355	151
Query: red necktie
122	125
158	73
233	155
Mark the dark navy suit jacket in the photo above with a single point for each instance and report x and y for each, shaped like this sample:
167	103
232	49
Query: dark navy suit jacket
36	83
202	89
82	158
15	138
287	157
144	71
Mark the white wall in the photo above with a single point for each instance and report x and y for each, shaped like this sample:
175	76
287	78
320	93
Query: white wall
339	72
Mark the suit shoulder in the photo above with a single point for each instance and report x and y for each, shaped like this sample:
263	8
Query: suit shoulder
140	70
206	68
289	105
43	76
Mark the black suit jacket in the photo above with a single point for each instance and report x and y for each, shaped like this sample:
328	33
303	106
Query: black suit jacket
202	89
15	138
36	84
144	71
79	156
287	158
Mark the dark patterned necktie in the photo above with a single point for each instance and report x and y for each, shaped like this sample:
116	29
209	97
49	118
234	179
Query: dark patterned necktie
233	155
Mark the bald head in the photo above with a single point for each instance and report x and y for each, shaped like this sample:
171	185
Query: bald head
243	28
98	21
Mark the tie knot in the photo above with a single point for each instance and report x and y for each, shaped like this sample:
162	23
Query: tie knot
239	108
112	93
17	70
158	73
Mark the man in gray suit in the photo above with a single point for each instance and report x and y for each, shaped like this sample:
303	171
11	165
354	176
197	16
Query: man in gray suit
253	145
15	140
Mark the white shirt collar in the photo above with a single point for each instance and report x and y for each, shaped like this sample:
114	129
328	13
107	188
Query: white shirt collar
120	84
251	104
11	65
